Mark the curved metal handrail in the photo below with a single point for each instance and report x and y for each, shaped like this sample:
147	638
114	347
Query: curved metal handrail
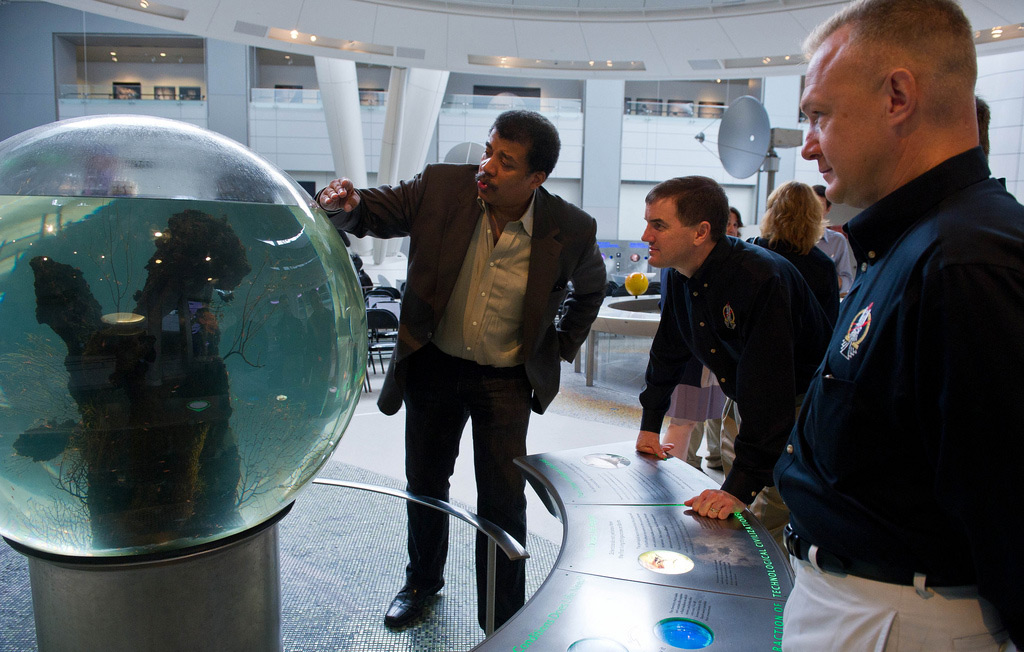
496	537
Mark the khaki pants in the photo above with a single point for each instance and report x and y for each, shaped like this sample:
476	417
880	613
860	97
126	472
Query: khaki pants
768	506
828	611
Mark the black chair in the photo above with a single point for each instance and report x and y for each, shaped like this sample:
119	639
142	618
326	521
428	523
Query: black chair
383	335
612	287
384	291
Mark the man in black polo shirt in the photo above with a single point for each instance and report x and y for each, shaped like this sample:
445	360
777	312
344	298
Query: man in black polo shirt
746	314
901	507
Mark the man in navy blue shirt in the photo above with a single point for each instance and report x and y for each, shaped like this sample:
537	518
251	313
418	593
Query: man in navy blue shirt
902	528
748	315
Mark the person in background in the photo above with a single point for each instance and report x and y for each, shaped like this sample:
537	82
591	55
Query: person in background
695	412
984	114
364	279
745	313
735	223
791	226
902	472
835	244
491	256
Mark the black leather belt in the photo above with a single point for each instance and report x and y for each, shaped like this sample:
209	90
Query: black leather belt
826	561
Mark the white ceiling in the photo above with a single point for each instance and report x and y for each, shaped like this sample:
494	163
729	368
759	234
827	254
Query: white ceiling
674	39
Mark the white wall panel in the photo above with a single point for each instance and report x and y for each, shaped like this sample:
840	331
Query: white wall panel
549	40
478	35
409	28
347	19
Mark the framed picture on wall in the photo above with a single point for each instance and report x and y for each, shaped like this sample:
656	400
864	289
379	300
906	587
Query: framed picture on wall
370	96
648	106
164	93
127	91
507	97
709	109
680	108
189	93
287	93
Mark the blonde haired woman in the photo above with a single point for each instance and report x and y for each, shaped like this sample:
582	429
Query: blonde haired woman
791	227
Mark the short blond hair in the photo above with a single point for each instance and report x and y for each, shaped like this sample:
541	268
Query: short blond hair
793	216
933	38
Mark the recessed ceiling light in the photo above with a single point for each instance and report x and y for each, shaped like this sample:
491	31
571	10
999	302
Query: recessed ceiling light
293	35
151	7
163	54
999	32
552	64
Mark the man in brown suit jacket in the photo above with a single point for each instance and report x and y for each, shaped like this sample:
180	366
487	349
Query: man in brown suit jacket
491	258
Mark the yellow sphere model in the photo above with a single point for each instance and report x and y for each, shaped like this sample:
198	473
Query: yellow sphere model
636	283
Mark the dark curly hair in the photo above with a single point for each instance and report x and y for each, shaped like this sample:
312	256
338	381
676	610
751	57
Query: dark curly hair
536	132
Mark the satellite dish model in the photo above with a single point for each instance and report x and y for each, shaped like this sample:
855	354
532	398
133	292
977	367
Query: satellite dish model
465	153
744	137
746	140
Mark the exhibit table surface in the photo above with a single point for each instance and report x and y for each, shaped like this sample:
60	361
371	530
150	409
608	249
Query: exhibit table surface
638	570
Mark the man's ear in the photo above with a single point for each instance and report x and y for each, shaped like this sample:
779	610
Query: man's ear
703	233
537	178
901	95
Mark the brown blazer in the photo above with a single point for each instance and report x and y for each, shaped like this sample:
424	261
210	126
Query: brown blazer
438	210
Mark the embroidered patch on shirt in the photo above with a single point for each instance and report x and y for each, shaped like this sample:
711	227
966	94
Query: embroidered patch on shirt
858	331
729	316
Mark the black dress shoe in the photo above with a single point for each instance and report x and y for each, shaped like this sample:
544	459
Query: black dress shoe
408	605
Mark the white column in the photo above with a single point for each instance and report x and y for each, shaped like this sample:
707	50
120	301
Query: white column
414	102
782	103
602	153
339	92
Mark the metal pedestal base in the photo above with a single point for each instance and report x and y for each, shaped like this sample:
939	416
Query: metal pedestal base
223	597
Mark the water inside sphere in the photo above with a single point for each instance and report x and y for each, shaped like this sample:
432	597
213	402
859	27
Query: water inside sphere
173	369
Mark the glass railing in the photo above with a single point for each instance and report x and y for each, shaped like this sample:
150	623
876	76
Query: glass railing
370	98
506	102
305	96
673	108
129	92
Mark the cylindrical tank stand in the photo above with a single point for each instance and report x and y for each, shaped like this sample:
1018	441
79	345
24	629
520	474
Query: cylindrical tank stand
223	596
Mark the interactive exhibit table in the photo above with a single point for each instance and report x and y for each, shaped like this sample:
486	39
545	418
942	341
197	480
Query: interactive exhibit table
641	572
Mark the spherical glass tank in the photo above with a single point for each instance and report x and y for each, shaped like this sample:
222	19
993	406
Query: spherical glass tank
183	340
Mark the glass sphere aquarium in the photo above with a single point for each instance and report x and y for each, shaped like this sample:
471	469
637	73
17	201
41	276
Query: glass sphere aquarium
183	337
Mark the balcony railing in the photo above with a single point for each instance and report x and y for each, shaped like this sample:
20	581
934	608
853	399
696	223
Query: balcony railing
673	108
128	93
505	102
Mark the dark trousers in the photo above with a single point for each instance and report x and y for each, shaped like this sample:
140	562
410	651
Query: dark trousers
441	394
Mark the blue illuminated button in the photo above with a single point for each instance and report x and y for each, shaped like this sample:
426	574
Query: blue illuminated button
685	634
597	645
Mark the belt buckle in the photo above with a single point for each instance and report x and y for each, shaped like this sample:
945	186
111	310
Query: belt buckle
792	541
812	558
